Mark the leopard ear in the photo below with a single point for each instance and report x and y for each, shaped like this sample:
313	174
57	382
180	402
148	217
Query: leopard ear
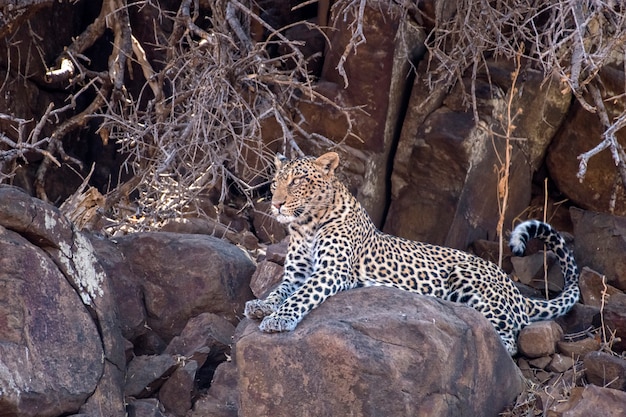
279	160
328	162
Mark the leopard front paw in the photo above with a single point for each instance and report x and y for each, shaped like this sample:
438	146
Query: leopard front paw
257	309
274	323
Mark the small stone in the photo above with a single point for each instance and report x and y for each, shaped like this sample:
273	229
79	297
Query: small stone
560	363
591	401
267	275
148	407
530	270
605	370
579	318
540	363
578	348
145	374
277	252
539	339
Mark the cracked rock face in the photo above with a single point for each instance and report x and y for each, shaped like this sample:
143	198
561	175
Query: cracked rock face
44	328
60	342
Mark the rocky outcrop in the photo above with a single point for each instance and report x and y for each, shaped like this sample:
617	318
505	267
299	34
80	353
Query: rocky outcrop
59	341
445	161
61	338
376	351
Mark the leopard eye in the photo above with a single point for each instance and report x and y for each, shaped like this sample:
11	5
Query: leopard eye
273	186
296	181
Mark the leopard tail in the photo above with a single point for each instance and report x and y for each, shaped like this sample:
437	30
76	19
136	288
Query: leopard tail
538	309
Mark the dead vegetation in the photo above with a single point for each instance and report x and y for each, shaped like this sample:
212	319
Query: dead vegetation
211	85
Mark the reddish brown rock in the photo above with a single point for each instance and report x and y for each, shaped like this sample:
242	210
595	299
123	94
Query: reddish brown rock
222	399
277	252
579	348
594	290
197	274
129	296
373	352
146	374
177	391
560	363
539	339
206	335
265	226
443	168
530	270
605	370
68	298
591	401
266	277
601	244
42	317
615	320
580	318
581	132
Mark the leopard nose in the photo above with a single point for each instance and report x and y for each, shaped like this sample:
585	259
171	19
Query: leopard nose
277	204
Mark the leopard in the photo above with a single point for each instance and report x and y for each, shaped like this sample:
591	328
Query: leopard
335	246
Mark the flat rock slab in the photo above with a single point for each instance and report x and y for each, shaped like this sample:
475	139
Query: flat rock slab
377	352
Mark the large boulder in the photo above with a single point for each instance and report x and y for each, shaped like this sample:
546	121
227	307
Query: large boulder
375	352
61	350
175	277
444	165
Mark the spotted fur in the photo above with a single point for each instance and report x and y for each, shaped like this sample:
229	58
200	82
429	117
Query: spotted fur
334	246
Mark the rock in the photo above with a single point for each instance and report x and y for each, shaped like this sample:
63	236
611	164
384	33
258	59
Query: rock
560	363
200	274
443	168
49	270
177	392
601	244
580	133
391	39
580	318
615	320
489	250
539	339
277	252
42	318
222	399
268	229
148	407
592	287
579	348
265	278
376	351
591	401
540	363
126	286
146	374
530	270
206	335
605	370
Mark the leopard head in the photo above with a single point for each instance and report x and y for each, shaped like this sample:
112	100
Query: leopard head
303	187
